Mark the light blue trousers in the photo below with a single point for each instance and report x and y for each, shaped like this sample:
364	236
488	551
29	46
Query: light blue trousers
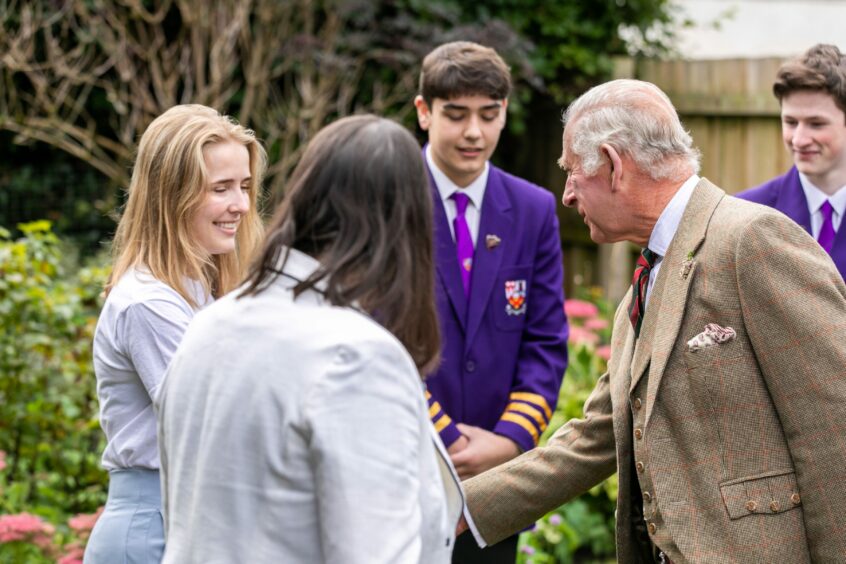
130	530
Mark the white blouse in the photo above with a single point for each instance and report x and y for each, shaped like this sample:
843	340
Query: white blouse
141	325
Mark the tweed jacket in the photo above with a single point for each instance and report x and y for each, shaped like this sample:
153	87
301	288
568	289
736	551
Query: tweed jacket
505	348
294	431
744	443
785	194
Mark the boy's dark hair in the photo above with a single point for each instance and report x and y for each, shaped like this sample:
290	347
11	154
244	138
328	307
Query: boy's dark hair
822	68
463	68
359	201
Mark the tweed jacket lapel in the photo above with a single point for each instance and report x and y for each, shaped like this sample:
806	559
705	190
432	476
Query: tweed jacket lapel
667	303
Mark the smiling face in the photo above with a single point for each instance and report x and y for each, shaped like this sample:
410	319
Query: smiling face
226	200
814	132
463	133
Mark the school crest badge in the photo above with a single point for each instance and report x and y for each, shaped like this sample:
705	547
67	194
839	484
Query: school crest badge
515	297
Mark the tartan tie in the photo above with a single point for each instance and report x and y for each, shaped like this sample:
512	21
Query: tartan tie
463	240
645	262
826	236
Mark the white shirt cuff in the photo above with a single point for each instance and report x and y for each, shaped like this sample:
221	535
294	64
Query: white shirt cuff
472	526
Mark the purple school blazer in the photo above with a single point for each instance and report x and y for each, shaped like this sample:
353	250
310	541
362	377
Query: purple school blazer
785	194
505	352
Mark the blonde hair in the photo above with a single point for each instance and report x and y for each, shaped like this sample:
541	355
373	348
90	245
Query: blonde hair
168	184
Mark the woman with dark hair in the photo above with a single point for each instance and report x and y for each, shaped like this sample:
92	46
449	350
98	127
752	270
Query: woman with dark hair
293	423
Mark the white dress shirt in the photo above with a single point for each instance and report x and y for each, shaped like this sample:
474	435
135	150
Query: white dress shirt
816	198
475	192
666	227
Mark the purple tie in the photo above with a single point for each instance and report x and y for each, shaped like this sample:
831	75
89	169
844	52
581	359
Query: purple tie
463	241
826	238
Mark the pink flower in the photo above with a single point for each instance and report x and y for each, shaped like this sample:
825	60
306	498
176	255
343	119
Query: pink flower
73	554
84	523
2	460
596	324
580	309
604	352
526	549
555	519
581	335
26	527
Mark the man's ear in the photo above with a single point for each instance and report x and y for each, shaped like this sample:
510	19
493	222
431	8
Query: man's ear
616	163
424	113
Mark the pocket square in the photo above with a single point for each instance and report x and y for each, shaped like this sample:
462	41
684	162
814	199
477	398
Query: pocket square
712	335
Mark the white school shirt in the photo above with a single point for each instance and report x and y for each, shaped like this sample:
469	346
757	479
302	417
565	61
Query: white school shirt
475	192
666	227
141	325
816	198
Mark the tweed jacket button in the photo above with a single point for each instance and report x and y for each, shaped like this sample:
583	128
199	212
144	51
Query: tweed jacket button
638	434
795	499
775	506
639	466
651	528
751	506
647	497
637	403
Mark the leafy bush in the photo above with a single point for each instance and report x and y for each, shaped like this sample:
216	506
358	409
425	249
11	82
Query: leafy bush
50	438
583	529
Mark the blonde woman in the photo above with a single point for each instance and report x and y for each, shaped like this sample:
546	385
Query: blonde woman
187	233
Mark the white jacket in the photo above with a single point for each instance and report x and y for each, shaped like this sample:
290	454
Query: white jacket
296	431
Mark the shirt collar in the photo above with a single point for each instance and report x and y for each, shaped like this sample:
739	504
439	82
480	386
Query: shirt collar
475	191
668	222
816	197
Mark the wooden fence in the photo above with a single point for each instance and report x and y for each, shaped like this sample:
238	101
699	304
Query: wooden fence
733	117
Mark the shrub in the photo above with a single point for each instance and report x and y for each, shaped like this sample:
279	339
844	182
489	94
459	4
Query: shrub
583	529
49	431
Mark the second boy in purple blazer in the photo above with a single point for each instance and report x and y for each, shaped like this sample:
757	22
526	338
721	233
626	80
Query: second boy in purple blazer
812	94
499	286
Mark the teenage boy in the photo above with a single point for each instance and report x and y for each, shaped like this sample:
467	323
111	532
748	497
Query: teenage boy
812	94
499	287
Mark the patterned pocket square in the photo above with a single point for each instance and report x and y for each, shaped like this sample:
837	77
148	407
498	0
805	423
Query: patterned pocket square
712	335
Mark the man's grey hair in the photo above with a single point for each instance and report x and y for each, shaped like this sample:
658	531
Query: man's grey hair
638	120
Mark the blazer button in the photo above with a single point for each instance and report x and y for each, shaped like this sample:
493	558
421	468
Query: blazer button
639	467
638	434
651	528
751	506
774	506
647	497
795	499
470	366
637	403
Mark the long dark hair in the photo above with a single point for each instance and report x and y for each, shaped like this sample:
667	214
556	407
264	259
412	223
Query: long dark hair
359	202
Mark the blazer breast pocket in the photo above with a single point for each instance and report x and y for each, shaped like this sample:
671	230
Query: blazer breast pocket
512	297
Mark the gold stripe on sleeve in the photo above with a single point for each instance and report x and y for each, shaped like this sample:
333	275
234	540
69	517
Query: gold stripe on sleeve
536	399
529	410
523	422
442	422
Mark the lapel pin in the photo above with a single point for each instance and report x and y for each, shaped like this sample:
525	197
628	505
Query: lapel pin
687	265
492	241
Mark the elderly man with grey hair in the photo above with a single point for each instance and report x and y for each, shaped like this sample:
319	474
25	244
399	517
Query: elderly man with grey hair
724	405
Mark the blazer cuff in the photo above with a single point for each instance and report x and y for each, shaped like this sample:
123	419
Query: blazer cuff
517	433
449	431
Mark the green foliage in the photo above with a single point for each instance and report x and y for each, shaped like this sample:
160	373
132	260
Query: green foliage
583	529
49	427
